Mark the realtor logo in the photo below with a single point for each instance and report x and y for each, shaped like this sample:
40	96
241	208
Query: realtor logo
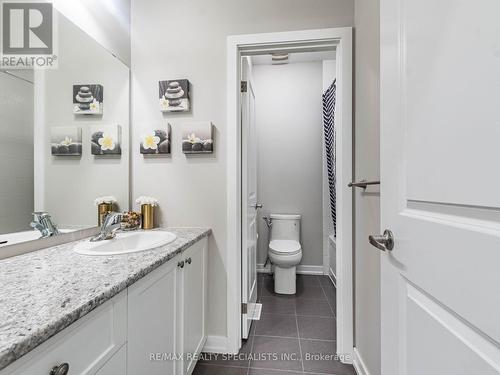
27	35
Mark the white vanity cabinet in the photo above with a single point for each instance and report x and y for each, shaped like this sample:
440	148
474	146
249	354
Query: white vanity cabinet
152	322
95	344
193	284
156	326
166	322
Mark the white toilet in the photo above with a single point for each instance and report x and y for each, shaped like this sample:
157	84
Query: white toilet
285	251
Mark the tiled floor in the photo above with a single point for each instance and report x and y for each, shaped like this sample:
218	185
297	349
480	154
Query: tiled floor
295	335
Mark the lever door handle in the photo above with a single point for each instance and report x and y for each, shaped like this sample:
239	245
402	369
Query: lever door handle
383	242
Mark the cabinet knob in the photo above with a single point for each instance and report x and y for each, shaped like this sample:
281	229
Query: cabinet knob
180	264
60	370
188	260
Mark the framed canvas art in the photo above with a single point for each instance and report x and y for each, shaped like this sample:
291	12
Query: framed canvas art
66	141
156	142
105	140
174	95
197	138
88	99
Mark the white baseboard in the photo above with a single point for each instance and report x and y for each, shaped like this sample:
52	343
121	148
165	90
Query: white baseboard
358	364
215	344
333	277
301	269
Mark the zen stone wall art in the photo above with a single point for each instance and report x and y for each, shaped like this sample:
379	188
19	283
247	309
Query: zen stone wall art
66	141
174	95
106	140
88	99
156	142
197	138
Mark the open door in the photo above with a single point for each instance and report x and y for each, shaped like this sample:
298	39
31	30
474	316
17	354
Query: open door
249	199
440	136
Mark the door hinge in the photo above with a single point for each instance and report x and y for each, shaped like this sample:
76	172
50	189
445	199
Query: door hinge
244	85
244	308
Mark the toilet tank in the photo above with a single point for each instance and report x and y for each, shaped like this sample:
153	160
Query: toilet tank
285	227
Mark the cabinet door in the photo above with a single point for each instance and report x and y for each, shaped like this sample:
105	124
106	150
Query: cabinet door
86	345
194	303
152	320
116	365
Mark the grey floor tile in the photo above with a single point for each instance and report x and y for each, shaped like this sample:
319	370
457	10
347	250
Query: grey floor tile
309	280
276	325
203	369
331	296
317	328
277	305
313	307
311	292
326	281
276	353
319	357
239	360
264	278
261	371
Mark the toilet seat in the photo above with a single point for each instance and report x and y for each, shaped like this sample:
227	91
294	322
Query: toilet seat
284	247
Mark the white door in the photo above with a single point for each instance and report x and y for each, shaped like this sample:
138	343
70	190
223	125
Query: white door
440	193
249	199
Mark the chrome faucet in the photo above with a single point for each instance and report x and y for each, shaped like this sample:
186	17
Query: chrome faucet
43	223
110	224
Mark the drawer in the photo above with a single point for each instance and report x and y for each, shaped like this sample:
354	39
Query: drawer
86	345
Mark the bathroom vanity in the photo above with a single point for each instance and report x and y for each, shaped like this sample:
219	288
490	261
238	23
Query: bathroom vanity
135	313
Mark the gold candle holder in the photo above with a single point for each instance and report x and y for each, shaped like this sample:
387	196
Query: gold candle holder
102	210
147	212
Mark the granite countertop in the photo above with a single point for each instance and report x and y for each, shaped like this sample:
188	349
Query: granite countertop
43	292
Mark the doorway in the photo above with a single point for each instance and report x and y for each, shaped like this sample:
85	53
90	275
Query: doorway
242	262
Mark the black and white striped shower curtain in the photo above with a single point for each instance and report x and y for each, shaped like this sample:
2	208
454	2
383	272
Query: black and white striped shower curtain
329	129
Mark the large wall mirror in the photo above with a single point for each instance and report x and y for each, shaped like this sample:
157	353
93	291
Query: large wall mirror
64	139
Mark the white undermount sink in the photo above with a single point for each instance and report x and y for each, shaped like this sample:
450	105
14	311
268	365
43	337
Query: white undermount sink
126	242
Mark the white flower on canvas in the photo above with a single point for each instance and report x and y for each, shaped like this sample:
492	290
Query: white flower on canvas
107	142
193	138
150	141
67	141
94	106
164	103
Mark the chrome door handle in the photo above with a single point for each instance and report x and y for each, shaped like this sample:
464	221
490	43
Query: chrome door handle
383	242
258	205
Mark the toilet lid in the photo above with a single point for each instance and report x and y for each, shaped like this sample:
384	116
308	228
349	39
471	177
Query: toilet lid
288	247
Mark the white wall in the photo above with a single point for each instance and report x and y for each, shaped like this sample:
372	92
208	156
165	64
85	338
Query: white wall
16	153
367	165
290	142
329	243
70	184
107	21
192	190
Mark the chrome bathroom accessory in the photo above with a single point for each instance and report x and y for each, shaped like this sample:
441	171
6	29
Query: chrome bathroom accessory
43	223
363	184
111	223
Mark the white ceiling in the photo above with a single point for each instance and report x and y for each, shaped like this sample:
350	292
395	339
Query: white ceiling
296	57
